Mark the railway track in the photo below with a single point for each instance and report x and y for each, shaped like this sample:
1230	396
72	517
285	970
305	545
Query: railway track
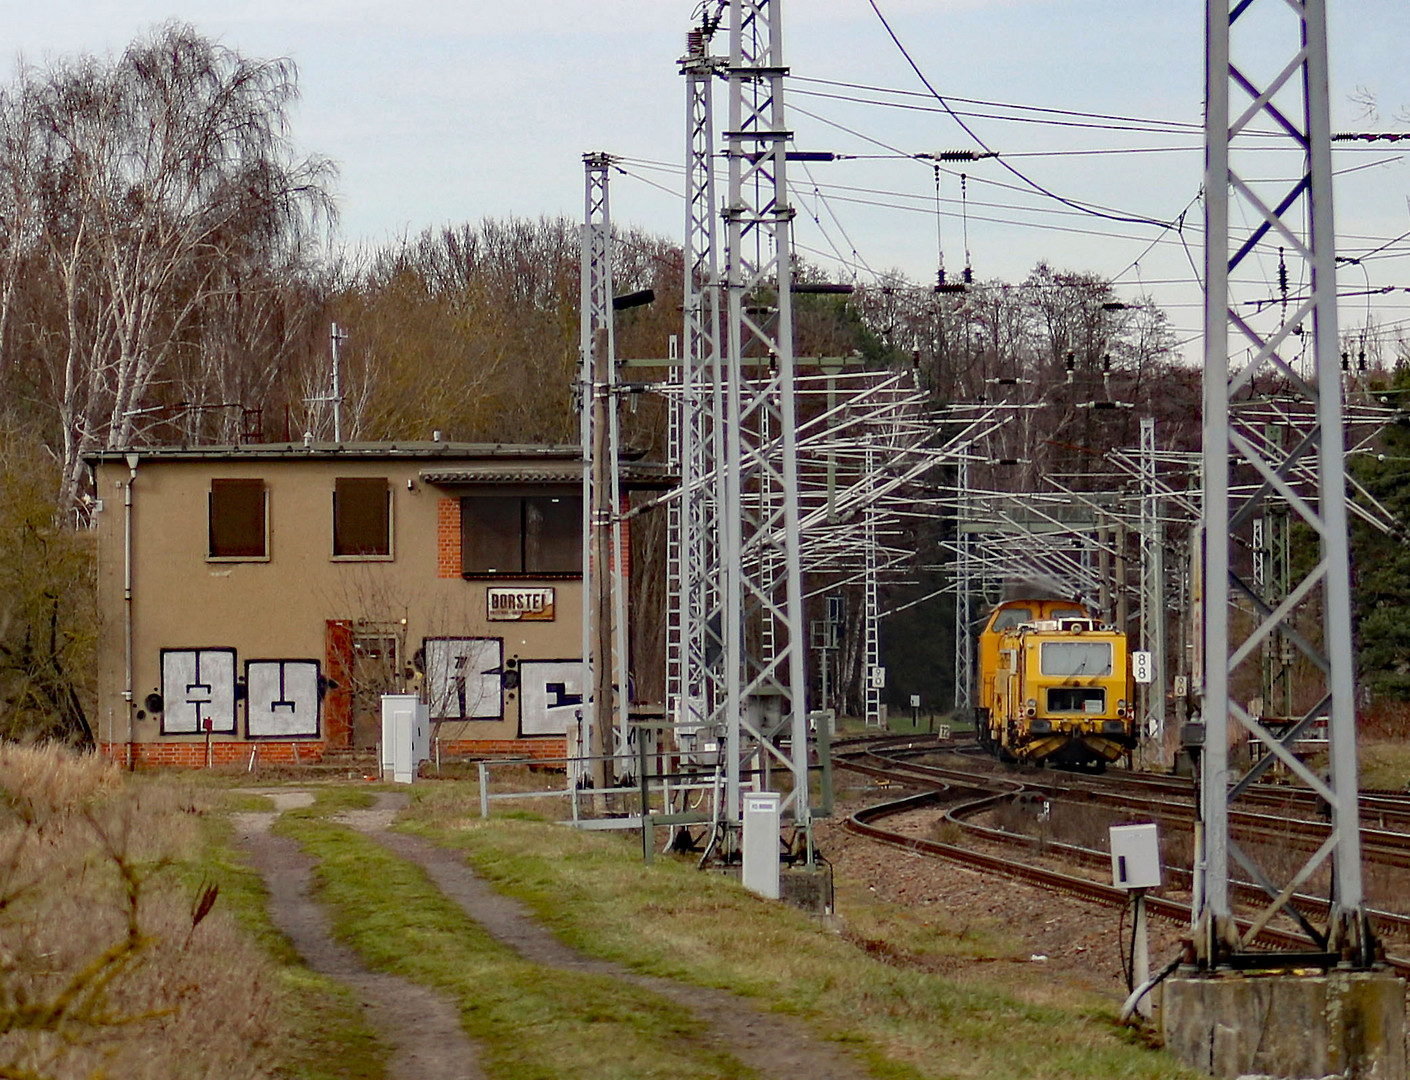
970	794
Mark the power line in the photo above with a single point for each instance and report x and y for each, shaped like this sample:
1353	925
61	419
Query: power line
1187	125
1129	219
1083	124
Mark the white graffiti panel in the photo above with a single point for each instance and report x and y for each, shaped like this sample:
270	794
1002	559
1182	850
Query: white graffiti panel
281	698
552	694
463	678
198	685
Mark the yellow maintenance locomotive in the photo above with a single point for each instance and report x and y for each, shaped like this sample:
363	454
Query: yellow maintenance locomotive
1054	686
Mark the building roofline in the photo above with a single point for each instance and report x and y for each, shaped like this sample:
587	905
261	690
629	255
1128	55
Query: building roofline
328	451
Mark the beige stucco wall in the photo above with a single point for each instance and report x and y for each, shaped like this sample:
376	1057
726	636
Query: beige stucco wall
278	609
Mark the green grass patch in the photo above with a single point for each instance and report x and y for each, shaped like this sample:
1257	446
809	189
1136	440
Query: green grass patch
532	1023
670	919
328	801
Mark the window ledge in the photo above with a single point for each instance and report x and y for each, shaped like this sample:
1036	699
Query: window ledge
522	577
362	558
236	558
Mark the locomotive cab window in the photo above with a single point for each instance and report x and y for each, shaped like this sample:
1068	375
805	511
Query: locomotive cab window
1076	699
1068	613
1076	658
1010	617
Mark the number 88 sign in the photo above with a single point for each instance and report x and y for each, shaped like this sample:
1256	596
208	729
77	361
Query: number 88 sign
1141	667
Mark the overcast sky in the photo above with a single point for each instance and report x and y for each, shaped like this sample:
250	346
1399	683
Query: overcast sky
439	112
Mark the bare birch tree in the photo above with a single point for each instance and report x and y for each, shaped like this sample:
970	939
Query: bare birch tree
166	184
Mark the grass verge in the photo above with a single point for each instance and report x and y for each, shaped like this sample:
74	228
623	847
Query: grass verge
532	1023
669	919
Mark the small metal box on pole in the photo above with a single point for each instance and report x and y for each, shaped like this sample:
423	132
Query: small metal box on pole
761	820
1135	866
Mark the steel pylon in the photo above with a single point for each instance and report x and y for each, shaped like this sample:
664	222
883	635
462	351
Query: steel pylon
1284	105
604	620
694	645
765	688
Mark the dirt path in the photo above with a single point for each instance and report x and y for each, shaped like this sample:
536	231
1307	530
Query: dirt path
770	1044
422	1028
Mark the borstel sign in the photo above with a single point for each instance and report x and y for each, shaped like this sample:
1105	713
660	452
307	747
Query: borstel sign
521	605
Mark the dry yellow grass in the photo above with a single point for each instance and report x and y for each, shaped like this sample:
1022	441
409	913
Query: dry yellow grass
106	967
1384	764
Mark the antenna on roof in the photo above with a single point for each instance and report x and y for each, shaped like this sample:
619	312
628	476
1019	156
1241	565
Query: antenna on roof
337	395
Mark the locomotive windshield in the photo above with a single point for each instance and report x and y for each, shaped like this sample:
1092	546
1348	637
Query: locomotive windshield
1064	658
1011	617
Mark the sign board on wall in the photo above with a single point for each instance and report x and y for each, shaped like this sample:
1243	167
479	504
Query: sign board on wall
198	688
463	678
520	605
552	695
281	699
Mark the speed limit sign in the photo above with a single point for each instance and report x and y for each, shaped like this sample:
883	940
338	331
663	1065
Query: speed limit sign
1141	667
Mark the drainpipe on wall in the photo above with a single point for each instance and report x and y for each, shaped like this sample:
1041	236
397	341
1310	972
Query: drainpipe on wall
127	604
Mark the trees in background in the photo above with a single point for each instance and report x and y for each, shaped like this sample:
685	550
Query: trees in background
164	277
156	242
48	618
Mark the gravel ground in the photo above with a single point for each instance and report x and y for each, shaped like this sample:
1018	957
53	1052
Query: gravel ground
1068	939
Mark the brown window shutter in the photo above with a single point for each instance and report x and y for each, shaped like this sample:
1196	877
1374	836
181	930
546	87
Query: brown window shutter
237	519
362	516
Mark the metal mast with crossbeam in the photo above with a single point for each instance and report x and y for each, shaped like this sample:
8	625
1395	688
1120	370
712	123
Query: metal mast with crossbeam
765	689
693	645
1254	105
604	588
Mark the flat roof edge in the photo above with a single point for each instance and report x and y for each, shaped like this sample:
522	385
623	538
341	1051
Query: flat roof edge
390	450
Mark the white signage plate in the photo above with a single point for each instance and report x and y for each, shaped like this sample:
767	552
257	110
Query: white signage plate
508	604
1141	668
281	698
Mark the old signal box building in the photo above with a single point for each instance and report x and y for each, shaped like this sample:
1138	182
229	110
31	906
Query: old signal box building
268	595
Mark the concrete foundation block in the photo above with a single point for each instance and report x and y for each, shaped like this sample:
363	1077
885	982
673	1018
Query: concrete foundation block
810	890
1298	1027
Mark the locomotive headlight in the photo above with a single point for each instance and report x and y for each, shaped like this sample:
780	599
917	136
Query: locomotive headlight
1032	708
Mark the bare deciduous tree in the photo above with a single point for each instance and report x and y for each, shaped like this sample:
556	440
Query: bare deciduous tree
156	193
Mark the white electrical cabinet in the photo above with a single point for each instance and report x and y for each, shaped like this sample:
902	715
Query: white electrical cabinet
761	821
406	736
1135	856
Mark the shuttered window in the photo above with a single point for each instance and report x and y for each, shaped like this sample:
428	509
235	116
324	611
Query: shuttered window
362	516
237	520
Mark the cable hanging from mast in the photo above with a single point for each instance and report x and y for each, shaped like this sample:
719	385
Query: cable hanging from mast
964	218
939	237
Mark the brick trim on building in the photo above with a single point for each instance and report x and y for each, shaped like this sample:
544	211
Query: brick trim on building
192	755
448	538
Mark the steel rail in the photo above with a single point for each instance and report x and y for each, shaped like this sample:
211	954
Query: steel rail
862	823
